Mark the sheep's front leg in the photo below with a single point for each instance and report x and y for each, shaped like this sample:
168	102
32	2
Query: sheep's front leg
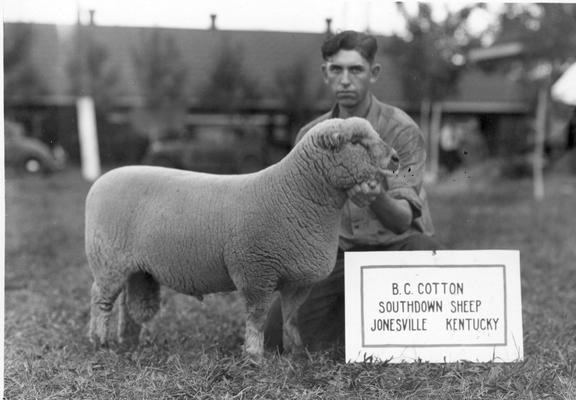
292	297
257	305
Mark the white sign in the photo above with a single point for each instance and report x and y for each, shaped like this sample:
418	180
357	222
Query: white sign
444	306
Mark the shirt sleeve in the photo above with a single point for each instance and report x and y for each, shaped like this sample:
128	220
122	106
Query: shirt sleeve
407	183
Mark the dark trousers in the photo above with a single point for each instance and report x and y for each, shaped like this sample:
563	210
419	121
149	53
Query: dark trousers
321	317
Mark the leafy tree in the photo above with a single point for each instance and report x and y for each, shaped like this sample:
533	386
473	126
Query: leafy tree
229	88
91	70
298	93
162	84
21	77
548	35
431	58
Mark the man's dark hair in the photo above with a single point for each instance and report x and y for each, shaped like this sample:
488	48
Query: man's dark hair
365	44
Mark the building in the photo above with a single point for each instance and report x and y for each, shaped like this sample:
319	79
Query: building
49	113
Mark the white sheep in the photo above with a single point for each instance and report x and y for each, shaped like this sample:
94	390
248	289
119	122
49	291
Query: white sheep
276	229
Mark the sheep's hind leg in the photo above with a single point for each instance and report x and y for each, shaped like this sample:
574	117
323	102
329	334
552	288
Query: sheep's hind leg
102	299
128	330
139	302
292	297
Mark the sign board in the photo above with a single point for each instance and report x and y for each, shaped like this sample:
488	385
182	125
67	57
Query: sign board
444	306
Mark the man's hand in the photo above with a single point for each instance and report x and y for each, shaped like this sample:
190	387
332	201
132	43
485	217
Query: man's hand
394	214
366	192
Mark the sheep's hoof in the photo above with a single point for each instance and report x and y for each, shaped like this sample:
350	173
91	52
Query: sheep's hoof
296	351
97	341
129	333
130	342
293	350
97	344
255	355
253	359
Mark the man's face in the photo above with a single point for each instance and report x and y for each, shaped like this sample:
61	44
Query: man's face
349	76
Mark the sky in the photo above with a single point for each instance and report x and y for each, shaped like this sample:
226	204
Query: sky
283	15
378	16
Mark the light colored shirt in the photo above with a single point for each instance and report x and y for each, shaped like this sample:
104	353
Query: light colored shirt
360	226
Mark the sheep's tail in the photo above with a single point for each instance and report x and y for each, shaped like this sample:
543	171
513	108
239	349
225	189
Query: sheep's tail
142	297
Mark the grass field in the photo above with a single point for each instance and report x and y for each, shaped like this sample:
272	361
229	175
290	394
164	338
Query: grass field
193	349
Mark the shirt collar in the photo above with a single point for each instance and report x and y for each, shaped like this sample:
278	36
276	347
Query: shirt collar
335	112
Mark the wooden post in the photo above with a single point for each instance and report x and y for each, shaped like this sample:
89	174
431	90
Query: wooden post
425	124
435	124
2	206
541	123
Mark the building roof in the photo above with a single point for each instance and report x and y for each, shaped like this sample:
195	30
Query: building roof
264	54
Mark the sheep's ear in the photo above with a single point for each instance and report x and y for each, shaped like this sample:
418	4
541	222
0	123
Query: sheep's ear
330	136
357	136
357	130
336	139
334	134
331	140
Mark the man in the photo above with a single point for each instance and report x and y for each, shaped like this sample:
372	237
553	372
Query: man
392	215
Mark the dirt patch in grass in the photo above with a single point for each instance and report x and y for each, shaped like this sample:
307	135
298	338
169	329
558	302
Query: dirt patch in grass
193	349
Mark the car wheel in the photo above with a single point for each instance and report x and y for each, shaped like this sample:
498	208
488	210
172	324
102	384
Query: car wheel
33	166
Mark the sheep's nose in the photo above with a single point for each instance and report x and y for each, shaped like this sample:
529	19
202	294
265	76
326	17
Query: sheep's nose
394	162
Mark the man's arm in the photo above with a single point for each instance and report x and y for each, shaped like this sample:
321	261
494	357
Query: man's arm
394	214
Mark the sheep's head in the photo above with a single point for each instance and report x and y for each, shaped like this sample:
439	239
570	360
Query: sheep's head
352	152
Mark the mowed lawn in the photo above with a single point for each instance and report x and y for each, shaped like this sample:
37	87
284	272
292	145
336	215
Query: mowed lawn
192	349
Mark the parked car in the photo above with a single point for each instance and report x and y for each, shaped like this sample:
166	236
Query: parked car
28	155
203	157
216	149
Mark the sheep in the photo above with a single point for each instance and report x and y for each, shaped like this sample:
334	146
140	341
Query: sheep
197	233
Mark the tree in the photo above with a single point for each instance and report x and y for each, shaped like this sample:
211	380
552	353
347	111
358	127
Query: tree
94	73
21	78
91	70
547	33
431	58
163	86
229	87
298	93
549	30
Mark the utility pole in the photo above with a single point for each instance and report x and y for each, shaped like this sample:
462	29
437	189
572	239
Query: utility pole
541	127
